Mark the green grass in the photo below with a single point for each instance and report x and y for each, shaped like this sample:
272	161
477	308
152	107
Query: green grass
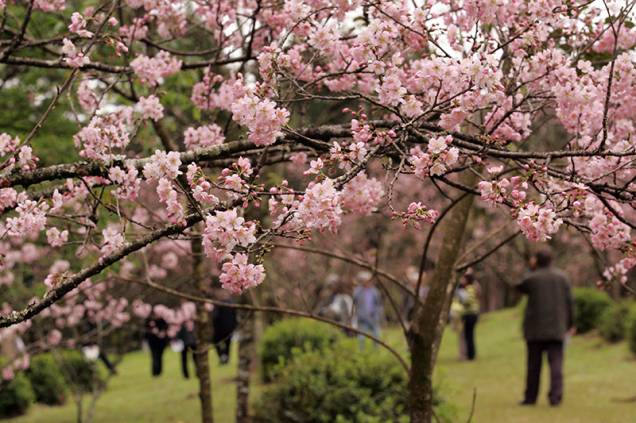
596	376
134	396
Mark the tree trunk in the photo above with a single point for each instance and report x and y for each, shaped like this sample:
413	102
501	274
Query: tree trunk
202	335
246	352
429	320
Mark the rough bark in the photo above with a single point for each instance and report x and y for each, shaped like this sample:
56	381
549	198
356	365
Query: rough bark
427	326
202	334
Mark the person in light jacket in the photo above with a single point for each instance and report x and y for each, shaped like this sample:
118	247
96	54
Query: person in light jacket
367	305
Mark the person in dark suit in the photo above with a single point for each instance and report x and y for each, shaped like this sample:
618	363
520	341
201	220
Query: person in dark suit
548	320
186	335
224	323
156	336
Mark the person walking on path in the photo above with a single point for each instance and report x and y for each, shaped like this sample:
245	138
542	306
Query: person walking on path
156	336
548	319
456	323
224	323
469	298
340	306
186	336
367	305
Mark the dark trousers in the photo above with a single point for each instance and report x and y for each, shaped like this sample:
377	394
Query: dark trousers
184	360
156	353
223	349
533	373
470	321
104	359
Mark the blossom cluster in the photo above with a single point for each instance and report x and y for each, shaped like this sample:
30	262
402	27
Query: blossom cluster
438	159
170	197
73	56
261	117
362	194
538	222
224	231
203	136
238	275
163	165
150	108
105	135
417	213
320	207
512	190
151	71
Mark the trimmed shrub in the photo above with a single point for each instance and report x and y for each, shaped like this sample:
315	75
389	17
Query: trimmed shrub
589	304
338	385
612	323
16	396
47	380
630	332
282	338
82	375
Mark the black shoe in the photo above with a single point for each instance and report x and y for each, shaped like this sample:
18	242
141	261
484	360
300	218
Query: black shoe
525	402
555	403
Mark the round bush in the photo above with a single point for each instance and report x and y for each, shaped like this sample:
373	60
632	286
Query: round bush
338	385
612	322
589	304
47	380
81	375
282	338
16	396
630	326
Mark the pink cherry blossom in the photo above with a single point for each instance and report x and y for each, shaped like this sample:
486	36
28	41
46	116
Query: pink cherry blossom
239	275
113	240
262	118
538	223
104	135
73	56
224	231
78	25
88	100
320	207
150	108
362	194
203	136
163	165
49	5
151	71
56	238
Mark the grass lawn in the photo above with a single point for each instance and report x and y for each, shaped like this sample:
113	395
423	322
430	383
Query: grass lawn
597	376
133	396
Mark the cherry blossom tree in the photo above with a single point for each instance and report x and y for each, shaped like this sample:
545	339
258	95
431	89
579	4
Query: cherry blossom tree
235	127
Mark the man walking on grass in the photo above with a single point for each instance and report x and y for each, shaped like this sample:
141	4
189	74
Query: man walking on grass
548	320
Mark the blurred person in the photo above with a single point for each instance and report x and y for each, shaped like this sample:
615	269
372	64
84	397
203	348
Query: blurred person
89	332
224	323
455	319
341	307
188	340
548	319
367	306
156	336
326	293
408	305
468	294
